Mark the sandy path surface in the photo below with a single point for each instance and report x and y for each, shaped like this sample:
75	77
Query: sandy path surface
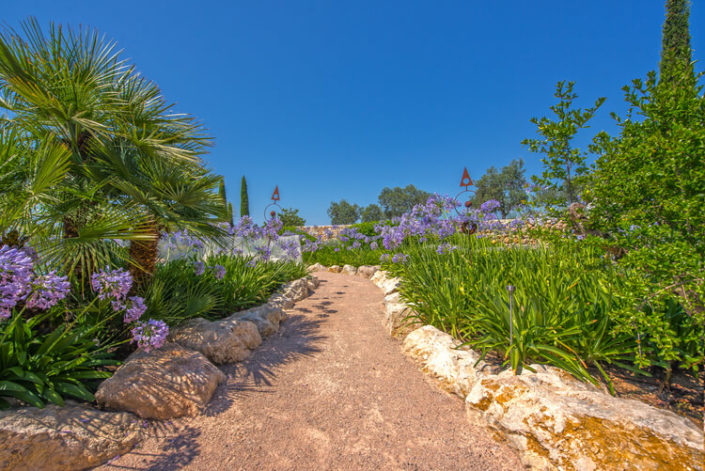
329	391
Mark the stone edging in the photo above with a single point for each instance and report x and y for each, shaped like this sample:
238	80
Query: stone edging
176	380
553	420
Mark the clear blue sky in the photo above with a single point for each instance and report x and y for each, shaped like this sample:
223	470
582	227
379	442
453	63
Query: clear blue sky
333	100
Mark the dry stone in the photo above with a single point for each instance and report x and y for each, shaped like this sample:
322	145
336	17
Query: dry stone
439	356
557	422
398	319
349	269
367	271
224	341
280	301
385	283
56	438
335	268
265	317
296	290
161	384
316	267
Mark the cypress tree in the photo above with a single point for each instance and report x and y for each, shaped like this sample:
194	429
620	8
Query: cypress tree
228	217
244	201
675	43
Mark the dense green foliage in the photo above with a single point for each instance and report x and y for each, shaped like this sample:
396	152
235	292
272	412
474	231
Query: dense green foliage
39	365
371	213
228	217
568	303
290	217
675	42
177	293
328	256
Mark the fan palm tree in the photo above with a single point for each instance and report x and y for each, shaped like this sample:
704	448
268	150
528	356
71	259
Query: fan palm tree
69	94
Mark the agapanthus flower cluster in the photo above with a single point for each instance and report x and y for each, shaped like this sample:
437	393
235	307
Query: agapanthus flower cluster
199	268
16	275
446	248
399	258
113	285
219	272
490	206
290	247
134	308
47	290
150	335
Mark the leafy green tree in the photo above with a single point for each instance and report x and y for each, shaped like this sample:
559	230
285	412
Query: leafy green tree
244	200
506	186
371	213
564	166
343	212
647	196
675	43
397	201
290	217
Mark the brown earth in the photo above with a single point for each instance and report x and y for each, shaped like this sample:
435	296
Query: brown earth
329	391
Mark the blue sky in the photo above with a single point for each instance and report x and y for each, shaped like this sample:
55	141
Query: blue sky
333	100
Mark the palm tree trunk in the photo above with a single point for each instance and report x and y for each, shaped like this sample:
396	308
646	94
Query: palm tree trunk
143	257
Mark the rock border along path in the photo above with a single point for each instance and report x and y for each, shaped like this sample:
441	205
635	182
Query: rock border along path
329	390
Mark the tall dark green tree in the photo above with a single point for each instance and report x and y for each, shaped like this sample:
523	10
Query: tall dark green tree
228	207
244	200
675	43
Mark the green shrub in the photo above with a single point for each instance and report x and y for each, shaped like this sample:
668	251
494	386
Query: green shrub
38	367
178	294
565	297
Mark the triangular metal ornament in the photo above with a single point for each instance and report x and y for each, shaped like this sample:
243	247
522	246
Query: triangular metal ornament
275	195
465	181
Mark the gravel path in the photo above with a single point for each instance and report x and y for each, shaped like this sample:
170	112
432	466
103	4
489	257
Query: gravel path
330	391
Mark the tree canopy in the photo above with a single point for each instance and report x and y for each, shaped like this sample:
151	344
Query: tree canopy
397	201
343	212
507	186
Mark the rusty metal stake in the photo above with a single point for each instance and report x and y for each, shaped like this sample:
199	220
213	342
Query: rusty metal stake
510	288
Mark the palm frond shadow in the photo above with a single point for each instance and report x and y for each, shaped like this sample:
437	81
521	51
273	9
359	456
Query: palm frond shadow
299	337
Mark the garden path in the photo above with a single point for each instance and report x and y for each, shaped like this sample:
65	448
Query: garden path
332	391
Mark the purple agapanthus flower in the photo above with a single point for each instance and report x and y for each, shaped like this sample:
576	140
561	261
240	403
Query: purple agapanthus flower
199	268
445	248
150	335
15	278
113	285
399	258
489	206
219	272
47	290
135	309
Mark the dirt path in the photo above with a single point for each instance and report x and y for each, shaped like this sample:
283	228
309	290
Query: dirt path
330	391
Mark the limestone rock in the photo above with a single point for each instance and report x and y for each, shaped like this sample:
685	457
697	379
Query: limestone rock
161	384
437	354
265	317
296	290
383	282
64	438
223	341
312	282
367	271
558	422
398	319
335	268
378	277
316	267
280	301
394	297
349	269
